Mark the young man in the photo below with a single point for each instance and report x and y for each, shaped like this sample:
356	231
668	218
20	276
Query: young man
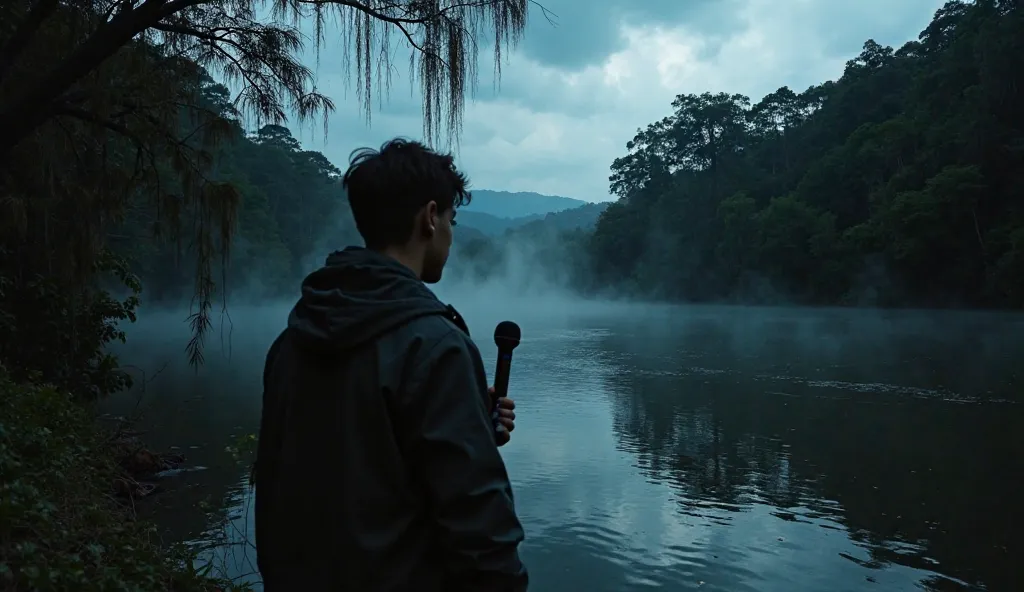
378	466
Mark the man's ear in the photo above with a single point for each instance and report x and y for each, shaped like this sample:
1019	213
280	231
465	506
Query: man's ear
431	219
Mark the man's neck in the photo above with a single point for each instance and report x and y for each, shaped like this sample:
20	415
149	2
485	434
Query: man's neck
403	256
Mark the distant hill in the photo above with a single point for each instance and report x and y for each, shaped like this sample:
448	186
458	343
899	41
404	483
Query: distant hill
464	233
504	204
489	224
582	217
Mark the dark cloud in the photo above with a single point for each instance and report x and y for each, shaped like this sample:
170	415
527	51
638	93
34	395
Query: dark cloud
555	126
584	32
853	23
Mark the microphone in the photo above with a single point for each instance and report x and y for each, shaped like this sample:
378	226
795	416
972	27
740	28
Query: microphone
506	337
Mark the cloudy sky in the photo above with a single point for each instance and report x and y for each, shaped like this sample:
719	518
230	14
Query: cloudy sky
573	93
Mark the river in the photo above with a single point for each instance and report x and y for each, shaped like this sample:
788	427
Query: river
683	448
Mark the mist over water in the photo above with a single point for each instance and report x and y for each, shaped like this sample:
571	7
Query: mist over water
674	447
520	294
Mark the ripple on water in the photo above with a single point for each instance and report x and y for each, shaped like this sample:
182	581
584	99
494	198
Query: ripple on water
713	462
880	388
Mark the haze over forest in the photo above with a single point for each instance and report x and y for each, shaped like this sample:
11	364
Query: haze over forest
152	157
891	186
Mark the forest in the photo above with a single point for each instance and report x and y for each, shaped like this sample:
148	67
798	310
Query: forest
899	184
147	157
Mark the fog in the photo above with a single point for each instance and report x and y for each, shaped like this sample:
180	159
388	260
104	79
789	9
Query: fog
602	386
244	324
180	404
530	283
242	333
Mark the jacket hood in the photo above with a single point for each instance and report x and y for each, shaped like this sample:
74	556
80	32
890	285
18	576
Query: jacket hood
358	296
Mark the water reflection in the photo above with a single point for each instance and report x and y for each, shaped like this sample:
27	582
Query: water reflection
711	448
904	437
201	413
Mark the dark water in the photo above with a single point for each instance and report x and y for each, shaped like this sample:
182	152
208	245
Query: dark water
732	449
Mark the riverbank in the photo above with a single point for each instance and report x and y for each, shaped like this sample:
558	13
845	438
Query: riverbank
66	505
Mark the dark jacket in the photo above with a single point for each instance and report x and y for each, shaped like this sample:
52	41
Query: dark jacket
377	467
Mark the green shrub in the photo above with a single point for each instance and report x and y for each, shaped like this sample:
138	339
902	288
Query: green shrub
56	331
60	526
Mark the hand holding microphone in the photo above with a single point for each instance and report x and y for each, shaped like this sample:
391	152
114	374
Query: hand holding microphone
506	337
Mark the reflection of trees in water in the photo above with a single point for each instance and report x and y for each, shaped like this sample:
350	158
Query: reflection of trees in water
203	414
704	452
919	482
192	505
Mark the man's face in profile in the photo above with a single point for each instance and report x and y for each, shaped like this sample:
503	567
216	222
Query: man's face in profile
439	246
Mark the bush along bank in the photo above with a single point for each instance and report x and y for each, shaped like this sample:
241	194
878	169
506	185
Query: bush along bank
61	525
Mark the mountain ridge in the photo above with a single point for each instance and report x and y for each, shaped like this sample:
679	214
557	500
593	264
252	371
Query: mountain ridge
478	223
517	204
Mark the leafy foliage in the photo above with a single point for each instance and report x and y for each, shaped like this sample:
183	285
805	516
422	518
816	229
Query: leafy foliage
260	53
291	208
48	330
895	185
59	527
120	155
115	113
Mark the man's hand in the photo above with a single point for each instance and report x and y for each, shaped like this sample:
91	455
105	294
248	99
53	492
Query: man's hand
506	418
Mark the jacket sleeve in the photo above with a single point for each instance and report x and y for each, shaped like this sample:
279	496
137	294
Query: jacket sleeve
453	450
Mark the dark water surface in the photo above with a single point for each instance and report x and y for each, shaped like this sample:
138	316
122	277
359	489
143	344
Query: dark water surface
725	449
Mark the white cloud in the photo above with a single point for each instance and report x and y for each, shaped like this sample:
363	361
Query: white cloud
554	129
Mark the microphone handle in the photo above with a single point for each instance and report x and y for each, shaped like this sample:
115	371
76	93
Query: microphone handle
501	372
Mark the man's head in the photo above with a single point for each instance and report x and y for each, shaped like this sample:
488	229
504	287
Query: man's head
403	199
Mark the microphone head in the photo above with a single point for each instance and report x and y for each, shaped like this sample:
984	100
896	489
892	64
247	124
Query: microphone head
507	334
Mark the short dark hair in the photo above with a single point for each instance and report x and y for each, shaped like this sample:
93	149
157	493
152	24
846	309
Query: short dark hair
387	187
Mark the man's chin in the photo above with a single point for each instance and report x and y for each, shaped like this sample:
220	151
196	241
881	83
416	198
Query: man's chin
432	278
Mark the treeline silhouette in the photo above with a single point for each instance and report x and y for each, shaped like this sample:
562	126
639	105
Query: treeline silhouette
124	165
898	184
915	481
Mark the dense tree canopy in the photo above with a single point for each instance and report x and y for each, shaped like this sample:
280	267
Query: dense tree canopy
898	184
144	146
893	185
115	131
